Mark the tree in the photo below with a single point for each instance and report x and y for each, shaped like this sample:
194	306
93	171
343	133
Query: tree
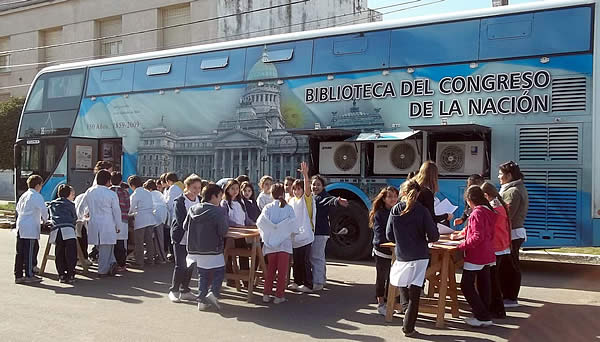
10	112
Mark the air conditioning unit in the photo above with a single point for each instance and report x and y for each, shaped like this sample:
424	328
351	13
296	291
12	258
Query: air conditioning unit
396	157
460	157
339	158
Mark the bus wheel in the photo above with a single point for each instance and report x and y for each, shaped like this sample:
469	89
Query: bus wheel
350	234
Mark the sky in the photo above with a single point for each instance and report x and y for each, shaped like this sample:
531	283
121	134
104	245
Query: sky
436	6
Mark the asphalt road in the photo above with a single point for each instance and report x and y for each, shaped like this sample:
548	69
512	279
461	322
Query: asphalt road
561	302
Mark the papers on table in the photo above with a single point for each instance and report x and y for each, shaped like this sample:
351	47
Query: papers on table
449	243
444	207
443	229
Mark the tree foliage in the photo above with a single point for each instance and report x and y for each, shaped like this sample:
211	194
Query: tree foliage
10	112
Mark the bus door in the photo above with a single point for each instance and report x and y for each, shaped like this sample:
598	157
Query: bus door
84	153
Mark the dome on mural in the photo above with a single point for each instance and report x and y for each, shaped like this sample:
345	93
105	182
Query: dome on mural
262	71
357	119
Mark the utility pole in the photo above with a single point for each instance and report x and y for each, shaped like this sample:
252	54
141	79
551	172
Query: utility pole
497	3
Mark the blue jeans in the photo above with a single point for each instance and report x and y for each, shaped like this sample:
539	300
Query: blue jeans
204	277
318	261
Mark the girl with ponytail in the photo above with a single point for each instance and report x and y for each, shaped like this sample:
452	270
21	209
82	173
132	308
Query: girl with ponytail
277	225
411	227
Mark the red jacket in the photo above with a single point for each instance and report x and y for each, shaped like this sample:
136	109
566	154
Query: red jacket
479	237
501	228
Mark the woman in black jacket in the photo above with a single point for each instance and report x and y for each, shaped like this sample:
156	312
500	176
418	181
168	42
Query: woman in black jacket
249	199
428	181
411	227
378	218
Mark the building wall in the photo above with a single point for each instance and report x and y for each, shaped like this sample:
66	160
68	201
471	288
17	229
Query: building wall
79	20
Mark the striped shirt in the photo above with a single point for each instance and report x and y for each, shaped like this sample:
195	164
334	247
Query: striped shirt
123	201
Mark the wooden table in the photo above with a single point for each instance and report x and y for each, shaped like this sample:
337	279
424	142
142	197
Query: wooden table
254	253
441	275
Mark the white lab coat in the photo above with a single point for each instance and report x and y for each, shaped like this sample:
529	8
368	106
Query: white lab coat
306	235
31	212
171	194
102	205
142	207
160	207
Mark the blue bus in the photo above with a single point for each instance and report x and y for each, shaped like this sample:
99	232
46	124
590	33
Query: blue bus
365	104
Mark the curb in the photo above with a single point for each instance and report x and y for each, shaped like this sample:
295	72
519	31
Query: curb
570	258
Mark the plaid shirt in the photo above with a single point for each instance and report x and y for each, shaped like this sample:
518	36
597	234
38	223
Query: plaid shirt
123	201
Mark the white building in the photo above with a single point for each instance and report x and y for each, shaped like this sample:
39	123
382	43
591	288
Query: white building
87	29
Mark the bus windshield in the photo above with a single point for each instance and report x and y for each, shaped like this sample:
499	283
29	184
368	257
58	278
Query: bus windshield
51	106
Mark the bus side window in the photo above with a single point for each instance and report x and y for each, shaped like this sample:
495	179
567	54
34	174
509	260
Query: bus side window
36	98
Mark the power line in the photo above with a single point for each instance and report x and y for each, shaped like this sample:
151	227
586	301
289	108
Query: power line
89	40
218	38
242	34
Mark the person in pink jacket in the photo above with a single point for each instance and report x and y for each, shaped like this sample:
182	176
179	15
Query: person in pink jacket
478	246
501	248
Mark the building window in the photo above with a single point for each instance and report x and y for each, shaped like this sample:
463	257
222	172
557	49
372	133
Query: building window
4	57
107	28
48	38
144	157
179	35
143	170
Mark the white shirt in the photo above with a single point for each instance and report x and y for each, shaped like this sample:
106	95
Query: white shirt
280	222
142	207
518	233
206	261
170	196
160	207
102	205
236	213
31	212
306	235
264	199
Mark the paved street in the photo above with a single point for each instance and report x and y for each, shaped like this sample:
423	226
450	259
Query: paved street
561	302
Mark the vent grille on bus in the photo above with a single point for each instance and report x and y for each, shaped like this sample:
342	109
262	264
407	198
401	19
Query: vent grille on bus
568	94
554	143
553	203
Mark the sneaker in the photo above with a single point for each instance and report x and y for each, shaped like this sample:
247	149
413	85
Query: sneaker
36	270
382	309
212	299
410	333
511	303
188	296
174	297
266	298
305	289
203	306
293	287
19	280
32	279
62	280
113	269
72	279
317	287
121	269
474	322
278	300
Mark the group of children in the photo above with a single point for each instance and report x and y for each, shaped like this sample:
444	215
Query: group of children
491	277
189	220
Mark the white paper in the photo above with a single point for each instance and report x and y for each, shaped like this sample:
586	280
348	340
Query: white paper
449	243
443	229
445	207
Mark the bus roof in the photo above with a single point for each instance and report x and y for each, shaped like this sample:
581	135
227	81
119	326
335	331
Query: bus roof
407	22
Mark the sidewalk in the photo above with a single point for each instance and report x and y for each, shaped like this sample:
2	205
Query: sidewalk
569	258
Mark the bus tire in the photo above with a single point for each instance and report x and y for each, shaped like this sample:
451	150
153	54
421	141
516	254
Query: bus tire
356	243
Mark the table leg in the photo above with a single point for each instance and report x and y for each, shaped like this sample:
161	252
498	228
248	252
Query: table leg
252	268
441	310
391	303
46	256
453	290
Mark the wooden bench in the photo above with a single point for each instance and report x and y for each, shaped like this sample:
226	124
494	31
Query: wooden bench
254	254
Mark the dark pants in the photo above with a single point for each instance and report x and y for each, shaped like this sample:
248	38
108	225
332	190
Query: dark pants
167	239
65	256
382	282
302	266
410	297
182	275
510	273
204	277
496	302
83	242
36	250
24	257
121	253
479	299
